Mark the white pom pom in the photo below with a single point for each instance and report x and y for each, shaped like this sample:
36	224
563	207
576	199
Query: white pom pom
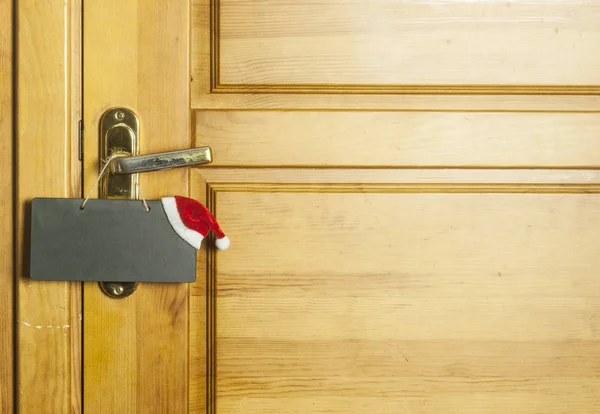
222	244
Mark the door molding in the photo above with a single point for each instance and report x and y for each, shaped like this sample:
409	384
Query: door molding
47	315
6	213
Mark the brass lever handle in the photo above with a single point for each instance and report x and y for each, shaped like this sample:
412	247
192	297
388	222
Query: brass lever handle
119	138
161	161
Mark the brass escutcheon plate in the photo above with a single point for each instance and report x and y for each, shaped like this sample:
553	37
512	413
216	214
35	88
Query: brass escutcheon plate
119	134
118	290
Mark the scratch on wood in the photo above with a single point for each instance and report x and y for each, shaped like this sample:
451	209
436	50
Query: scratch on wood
42	326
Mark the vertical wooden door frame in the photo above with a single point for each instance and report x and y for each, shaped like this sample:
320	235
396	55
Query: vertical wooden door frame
6	213
40	108
44	319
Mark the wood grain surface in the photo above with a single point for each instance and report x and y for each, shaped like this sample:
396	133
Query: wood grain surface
474	297
382	55
136	357
48	319
400	139
392	46
411	193
6	214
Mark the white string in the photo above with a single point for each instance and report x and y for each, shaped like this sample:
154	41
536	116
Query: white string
102	172
143	199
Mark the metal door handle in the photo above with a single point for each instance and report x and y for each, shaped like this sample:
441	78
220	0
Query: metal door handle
120	136
120	143
161	161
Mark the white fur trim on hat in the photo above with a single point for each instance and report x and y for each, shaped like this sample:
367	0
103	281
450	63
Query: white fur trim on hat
223	243
193	238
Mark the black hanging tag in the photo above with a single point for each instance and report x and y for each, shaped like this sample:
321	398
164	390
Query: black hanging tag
109	240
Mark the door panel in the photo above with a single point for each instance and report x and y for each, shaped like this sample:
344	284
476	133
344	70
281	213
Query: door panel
412	207
393	44
415	139
441	260
354	297
48	315
385	55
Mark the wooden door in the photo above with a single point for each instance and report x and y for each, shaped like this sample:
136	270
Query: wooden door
43	161
412	193
6	218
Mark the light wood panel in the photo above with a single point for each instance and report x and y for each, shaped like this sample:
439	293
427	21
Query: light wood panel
386	46
416	139
425	395
359	289
202	99
208	58
577	180
477	301
137	56
6	215
48	325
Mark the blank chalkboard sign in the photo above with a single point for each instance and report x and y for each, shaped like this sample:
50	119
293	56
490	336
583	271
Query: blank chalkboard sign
109	240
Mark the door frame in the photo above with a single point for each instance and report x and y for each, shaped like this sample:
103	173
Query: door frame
41	328
6	213
43	322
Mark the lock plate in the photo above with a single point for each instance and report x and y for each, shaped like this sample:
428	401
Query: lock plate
118	289
119	132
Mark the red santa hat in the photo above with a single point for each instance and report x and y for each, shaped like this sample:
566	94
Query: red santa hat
192	221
